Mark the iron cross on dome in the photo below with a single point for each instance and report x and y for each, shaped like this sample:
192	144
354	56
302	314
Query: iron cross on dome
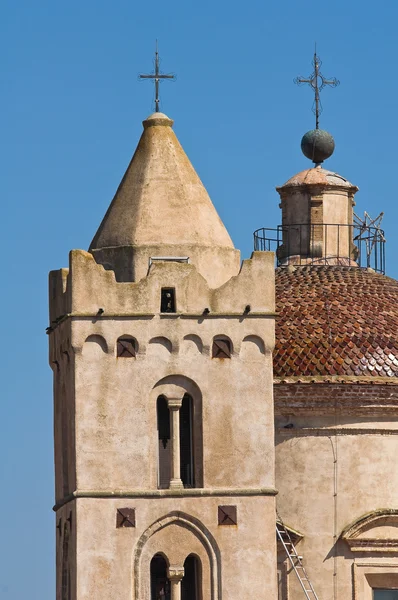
317	81
157	76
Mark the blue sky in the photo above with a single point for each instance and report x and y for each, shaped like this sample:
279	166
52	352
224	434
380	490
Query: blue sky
71	117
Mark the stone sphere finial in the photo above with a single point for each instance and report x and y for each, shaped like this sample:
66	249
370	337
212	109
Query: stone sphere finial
317	145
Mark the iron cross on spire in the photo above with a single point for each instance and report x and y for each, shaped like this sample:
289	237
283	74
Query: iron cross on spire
157	76
317	81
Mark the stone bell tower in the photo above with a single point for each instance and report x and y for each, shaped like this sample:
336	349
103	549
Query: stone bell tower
161	345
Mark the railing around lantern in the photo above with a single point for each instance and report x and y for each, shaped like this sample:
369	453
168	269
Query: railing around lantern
324	244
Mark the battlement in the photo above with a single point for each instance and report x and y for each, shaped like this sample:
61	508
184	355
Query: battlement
87	288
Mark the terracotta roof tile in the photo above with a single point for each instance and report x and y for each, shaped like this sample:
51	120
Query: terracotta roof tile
336	321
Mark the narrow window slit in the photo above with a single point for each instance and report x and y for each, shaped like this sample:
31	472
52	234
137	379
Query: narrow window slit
168	300
164	445
186	443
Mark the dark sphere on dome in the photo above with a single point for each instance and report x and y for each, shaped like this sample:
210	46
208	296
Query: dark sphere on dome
317	145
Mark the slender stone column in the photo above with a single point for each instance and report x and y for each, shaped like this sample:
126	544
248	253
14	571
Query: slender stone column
174	405
175	573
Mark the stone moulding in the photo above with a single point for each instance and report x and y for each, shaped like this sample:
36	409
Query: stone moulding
332	431
177	315
294	534
171	493
333	379
333	398
358	534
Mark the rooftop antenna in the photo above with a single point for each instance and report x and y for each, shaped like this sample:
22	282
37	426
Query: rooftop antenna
317	81
157	76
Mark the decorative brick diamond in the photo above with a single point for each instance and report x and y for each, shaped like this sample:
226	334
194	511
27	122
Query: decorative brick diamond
125	517
227	515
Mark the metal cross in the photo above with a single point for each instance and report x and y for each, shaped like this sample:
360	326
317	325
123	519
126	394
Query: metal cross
317	81
157	76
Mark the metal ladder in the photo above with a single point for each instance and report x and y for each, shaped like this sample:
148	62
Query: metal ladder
295	560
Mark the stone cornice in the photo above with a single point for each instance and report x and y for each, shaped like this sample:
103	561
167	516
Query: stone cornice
120	315
285	191
336	398
333	379
294	534
170	493
370	545
365	524
332	431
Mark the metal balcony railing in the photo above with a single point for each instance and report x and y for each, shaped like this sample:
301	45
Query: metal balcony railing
324	244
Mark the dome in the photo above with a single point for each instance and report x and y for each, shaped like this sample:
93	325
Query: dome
336	323
318	176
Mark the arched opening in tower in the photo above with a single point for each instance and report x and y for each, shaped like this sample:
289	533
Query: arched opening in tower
164	444
186	442
191	582
160	585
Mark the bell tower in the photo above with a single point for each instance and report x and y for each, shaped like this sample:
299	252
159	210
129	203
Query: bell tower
161	347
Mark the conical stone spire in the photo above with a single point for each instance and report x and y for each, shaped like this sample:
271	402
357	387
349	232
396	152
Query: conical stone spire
161	208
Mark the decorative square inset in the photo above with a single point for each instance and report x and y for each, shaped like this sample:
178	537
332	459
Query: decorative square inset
126	348
227	515
221	348
125	517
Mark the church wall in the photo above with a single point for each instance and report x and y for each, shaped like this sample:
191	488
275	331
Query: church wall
116	402
232	556
337	210
61	358
331	469
296	207
317	207
115	445
66	556
337	207
90	286
130	263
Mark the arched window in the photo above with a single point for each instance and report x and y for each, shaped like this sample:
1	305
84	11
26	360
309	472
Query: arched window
160	585
164	444
222	347
191	585
186	442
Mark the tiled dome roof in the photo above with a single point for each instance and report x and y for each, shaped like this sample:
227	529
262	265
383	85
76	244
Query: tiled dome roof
318	176
336	323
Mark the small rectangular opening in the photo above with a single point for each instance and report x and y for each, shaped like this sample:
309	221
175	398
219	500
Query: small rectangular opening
179	259
168	300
